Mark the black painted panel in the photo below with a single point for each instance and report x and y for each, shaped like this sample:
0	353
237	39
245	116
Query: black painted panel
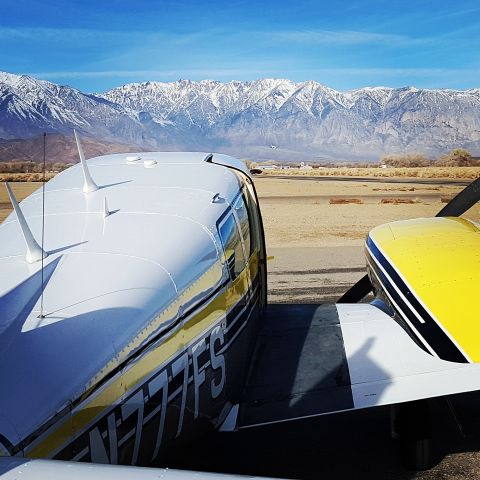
300	367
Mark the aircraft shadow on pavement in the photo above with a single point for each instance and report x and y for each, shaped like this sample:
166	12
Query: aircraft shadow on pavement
297	368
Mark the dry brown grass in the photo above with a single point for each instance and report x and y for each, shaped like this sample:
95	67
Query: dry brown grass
446	198
397	201
344	201
21	190
25	177
397	189
467	173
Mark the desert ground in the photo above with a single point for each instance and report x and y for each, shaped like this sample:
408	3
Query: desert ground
315	237
318	245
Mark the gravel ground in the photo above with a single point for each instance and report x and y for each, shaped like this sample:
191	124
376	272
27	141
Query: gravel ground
313	274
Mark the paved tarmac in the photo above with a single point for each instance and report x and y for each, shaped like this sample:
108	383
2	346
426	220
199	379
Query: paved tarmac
413	180
313	274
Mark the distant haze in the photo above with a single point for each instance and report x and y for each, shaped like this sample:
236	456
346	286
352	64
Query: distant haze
267	119
60	149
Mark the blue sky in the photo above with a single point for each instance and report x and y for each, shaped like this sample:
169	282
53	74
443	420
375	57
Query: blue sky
97	45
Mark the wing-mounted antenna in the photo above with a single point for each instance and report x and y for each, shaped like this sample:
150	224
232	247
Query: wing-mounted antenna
34	251
106	211
88	185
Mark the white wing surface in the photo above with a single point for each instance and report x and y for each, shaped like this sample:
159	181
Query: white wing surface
320	359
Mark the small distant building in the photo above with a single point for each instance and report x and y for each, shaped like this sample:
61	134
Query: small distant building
268	167
305	166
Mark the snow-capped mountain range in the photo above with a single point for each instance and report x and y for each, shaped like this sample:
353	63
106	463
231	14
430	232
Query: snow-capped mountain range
262	119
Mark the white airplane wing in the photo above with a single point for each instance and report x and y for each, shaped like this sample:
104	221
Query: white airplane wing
12	468
313	360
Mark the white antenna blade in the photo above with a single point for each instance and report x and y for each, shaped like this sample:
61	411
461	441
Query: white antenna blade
106	212
89	185
34	251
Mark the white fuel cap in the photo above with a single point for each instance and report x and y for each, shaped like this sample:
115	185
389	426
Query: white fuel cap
133	158
149	162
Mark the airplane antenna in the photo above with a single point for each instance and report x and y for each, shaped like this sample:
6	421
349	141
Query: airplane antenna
106	212
34	251
43	214
88	185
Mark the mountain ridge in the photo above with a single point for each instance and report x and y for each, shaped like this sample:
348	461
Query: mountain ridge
302	121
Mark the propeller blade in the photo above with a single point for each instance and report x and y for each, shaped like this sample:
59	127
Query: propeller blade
468	197
354	294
